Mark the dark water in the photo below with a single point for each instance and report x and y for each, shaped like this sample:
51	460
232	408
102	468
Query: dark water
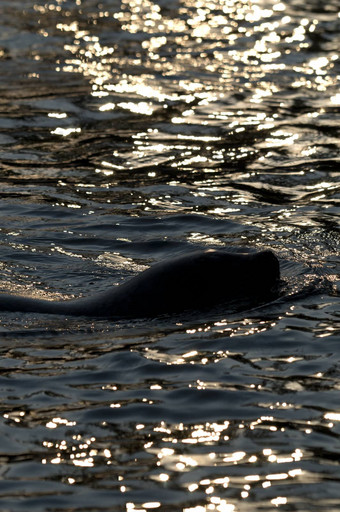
132	131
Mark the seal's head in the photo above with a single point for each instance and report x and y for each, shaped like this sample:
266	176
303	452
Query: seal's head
217	275
198	280
268	264
263	272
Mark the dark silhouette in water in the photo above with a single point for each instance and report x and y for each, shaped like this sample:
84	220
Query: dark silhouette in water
194	281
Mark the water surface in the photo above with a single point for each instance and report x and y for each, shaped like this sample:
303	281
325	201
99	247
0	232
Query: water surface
134	131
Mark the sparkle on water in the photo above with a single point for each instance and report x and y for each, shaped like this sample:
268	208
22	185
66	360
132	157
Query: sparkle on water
130	129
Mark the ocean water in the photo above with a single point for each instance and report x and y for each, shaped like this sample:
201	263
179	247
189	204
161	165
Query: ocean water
131	132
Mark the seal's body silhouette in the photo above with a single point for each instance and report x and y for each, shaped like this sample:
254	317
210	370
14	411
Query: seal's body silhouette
193	281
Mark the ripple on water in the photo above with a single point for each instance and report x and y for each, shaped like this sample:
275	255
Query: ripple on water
130	132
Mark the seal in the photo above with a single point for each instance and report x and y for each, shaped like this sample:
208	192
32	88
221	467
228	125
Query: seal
194	281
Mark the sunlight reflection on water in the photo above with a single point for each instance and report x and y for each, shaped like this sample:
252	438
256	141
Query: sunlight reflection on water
131	131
